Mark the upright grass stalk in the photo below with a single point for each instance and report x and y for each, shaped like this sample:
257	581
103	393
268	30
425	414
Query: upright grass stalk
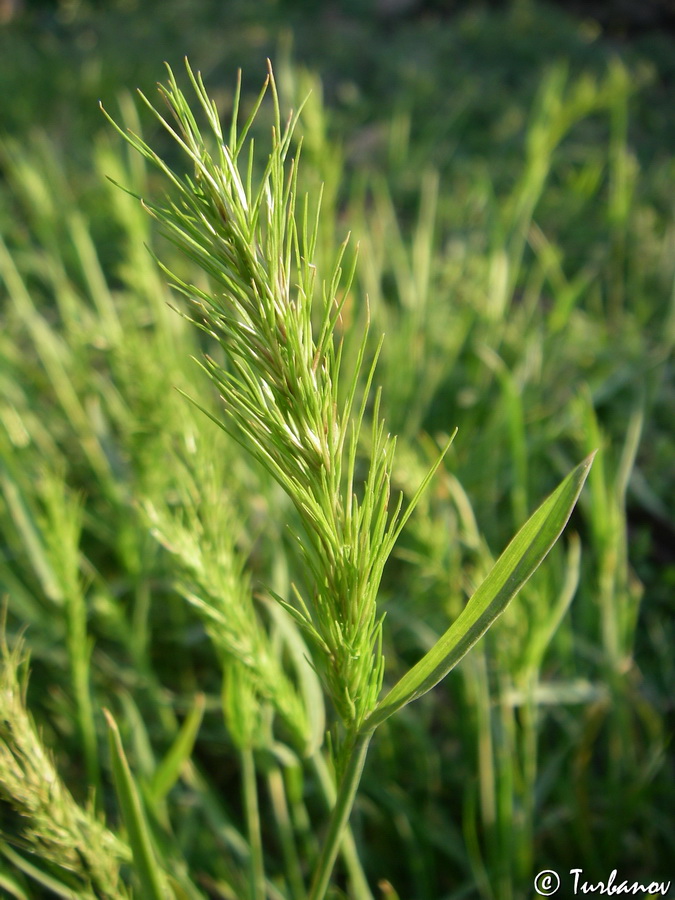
350	855
63	522
344	802
242	710
287	401
253	824
277	793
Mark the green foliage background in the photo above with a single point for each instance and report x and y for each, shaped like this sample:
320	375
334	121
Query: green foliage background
508	177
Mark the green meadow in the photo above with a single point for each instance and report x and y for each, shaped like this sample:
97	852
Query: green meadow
301	374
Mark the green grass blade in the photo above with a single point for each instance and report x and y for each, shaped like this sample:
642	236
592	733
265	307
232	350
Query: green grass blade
252	810
57	887
12	888
146	867
168	771
26	526
520	559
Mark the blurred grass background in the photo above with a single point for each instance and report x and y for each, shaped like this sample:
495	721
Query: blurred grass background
507	170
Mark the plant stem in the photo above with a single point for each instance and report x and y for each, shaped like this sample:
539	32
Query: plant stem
340	815
79	663
350	854
293	869
253	824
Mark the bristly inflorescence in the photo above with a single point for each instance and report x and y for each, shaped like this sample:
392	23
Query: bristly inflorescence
50	824
285	398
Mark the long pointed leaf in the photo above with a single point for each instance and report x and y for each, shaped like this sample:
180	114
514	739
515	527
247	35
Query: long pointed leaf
150	876
520	559
169	769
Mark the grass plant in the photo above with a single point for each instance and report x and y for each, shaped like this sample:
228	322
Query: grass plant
203	584
283	401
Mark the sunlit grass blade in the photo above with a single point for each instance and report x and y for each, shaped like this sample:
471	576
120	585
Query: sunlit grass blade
516	564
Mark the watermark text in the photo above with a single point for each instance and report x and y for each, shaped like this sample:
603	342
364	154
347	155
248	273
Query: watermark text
548	882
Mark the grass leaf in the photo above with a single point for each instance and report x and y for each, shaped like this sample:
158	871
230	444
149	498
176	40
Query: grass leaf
145	862
513	568
169	769
57	887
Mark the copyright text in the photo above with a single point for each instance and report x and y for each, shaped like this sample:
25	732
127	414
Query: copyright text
548	882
